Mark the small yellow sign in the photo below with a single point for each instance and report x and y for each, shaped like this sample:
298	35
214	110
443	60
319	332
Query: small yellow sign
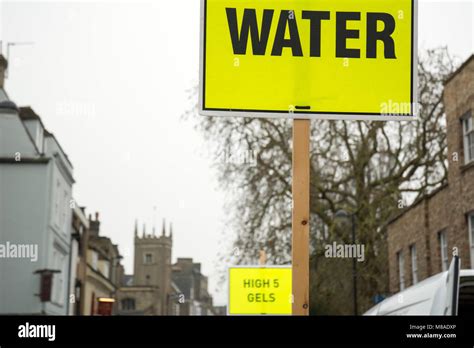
260	290
339	59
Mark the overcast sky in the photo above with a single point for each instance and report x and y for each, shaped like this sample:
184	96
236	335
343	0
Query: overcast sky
110	80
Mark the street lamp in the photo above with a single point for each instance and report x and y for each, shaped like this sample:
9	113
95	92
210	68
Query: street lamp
342	214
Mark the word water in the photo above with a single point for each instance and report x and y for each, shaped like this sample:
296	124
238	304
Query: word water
287	25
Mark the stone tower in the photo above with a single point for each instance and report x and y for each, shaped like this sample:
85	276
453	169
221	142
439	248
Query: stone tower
152	264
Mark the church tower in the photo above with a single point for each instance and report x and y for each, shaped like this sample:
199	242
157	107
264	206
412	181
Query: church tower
152	264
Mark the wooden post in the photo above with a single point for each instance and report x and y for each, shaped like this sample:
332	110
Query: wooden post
300	221
263	258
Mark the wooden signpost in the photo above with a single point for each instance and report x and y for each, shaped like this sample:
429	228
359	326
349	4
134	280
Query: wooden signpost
300	220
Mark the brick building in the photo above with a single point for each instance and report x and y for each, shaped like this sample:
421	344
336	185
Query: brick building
421	239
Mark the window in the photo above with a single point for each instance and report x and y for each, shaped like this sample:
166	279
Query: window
471	236
148	258
64	212
61	211
128	304
468	131
59	262
95	260
401	270
443	244
414	264
57	203
106	269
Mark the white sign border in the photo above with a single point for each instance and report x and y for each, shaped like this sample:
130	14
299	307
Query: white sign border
308	115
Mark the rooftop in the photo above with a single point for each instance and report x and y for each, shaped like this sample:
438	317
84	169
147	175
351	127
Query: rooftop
458	70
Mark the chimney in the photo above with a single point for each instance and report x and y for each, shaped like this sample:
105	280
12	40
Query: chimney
94	225
3	68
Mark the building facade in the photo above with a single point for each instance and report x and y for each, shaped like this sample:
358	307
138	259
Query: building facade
192	285
78	261
148	291
103	273
159	287
52	259
36	179
423	238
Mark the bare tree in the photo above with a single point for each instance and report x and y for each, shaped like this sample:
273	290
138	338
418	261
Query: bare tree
371	169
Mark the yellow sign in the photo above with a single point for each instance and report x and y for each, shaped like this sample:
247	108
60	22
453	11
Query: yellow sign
260	290
337	59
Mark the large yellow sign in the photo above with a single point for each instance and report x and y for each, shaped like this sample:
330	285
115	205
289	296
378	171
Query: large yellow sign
309	58
260	290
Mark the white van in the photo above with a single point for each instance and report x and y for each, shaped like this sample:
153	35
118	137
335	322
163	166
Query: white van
446	293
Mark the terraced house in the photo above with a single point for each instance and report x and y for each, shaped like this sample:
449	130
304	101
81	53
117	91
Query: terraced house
422	239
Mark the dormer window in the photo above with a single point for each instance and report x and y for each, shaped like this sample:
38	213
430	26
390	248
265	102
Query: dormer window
468	132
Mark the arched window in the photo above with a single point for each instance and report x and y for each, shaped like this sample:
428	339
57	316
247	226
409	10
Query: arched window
128	304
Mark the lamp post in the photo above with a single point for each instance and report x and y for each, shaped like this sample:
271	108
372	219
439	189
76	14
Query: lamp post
345	215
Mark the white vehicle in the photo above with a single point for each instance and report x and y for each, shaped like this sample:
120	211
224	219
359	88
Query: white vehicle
446	293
